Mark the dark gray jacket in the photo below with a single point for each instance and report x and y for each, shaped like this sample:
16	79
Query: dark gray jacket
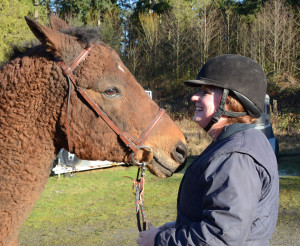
229	195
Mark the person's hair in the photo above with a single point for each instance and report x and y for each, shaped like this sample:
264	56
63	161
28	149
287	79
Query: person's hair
232	104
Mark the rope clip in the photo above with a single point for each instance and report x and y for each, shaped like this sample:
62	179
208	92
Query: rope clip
141	163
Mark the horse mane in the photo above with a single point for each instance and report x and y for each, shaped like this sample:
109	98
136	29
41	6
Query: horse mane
18	51
85	35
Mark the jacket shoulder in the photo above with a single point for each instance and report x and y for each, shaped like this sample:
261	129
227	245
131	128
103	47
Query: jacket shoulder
253	143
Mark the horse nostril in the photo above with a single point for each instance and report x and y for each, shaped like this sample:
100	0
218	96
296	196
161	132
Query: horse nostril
180	152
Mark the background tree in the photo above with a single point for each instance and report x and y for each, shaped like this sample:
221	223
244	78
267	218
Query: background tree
164	42
277	35
13	30
149	39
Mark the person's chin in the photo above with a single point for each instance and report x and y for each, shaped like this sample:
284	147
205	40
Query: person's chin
199	121
196	119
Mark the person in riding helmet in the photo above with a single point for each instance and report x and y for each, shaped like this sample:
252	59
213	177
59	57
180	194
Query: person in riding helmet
229	194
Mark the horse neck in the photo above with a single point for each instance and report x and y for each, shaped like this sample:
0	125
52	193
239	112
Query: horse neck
31	102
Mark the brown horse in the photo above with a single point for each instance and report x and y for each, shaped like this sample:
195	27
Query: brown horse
33	94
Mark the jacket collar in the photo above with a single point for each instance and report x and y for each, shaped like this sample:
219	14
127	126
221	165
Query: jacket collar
234	128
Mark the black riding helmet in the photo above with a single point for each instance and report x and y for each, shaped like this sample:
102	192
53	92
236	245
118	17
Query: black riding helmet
240	76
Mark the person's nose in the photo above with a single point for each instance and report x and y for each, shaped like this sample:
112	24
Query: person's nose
195	98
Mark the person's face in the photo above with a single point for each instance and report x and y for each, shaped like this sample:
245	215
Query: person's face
207	102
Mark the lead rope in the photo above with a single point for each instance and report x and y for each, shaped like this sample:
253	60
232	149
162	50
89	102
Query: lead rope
139	197
67	117
139	186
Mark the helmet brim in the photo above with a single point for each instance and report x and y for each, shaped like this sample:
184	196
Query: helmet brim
204	81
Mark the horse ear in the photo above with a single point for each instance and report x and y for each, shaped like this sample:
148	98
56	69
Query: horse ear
52	39
57	23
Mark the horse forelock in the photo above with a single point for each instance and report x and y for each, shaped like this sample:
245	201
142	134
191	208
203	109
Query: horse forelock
85	35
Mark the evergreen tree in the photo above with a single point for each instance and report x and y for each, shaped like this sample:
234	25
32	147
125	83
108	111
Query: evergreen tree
13	29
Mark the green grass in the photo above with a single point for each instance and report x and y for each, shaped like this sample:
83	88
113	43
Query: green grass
288	230
98	208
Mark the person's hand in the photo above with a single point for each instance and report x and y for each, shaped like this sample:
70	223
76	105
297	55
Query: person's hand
146	238
167	225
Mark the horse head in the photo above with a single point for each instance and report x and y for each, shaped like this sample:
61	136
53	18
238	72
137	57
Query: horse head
110	85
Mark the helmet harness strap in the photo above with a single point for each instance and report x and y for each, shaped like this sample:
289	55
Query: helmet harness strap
221	111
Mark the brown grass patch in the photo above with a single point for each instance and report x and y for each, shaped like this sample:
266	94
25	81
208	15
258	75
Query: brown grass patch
197	138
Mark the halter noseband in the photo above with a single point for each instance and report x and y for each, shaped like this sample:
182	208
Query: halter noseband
131	142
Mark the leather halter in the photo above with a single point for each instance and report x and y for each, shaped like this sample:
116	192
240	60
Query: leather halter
131	142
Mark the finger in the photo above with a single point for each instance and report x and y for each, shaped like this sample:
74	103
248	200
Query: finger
139	241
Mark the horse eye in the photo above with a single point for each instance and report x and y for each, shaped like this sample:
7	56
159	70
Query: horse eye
112	92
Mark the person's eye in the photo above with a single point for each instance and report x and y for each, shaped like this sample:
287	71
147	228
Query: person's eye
206	92
112	92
